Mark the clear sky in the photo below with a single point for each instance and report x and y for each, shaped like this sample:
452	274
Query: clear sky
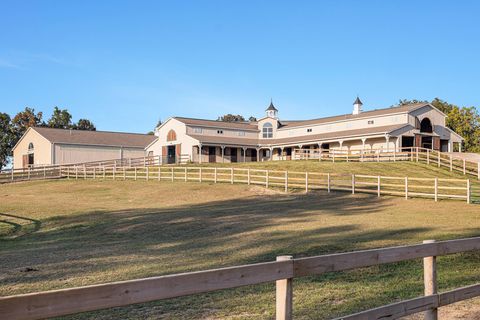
125	64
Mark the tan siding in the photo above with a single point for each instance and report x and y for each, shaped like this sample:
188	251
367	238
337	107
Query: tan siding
42	149
65	153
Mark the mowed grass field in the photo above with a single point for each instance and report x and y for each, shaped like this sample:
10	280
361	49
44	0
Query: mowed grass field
60	234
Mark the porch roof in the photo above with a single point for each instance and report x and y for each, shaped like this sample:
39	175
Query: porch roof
249	142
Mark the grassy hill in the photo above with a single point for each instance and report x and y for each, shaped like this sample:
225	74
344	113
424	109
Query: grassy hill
60	234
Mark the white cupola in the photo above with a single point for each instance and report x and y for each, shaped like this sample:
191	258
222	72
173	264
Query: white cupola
357	106
272	112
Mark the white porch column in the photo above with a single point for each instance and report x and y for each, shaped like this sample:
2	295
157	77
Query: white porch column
200	153
460	144
271	153
387	141
341	144
450	146
223	153
258	154
281	153
244	154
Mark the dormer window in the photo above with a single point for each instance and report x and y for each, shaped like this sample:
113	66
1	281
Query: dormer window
309	130
220	131
241	133
370	121
197	130
267	130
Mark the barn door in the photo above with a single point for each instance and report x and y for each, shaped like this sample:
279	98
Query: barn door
25	161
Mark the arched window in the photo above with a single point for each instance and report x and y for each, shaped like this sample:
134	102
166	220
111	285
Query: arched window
426	126
30	147
267	130
171	136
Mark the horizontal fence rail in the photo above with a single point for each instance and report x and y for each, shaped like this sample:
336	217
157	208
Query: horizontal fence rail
95	297
414	154
407	187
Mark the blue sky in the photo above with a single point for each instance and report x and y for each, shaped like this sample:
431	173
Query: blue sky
125	64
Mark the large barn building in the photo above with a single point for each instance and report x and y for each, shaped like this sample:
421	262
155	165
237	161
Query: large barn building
271	138
41	146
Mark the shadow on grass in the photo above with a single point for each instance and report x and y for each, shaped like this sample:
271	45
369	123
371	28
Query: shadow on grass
149	242
18	229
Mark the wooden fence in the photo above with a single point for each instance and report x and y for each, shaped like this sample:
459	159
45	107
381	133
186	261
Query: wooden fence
414	154
54	303
408	187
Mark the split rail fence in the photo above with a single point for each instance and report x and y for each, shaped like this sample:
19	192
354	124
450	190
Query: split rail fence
61	302
408	187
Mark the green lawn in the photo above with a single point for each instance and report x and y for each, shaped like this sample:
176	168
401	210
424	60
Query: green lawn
60	234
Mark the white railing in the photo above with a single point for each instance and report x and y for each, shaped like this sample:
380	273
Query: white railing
408	187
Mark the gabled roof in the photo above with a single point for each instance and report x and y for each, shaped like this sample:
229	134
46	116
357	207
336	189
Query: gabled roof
364	114
249	126
97	138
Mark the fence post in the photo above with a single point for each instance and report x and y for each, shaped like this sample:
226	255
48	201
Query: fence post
468	190
248	176
200	175
94	173
159	172
328	182
186	174
147	173
451	163
286	181
266	179
28	177
430	281
231	175
113	172
428	156
45	172
417	154
464	166
135	174
436	189
76	173
306	181
406	188
333	153
378	156
172	175
84	172
353	183
378	186
284	295
439	159
215	175
104	172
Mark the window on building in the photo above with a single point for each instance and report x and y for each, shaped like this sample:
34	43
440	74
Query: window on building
309	130
267	130
220	131
426	126
197	130
171	135
241	133
30	147
370	121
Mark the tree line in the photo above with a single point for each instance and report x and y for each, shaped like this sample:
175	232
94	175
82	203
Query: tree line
12	129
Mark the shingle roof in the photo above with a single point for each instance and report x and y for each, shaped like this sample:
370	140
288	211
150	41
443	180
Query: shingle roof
271	107
357	101
99	138
365	114
249	126
301	139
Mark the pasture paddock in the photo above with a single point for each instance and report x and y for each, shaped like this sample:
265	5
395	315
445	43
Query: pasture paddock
85	232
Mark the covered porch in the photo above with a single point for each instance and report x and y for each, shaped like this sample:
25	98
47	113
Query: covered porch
212	153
